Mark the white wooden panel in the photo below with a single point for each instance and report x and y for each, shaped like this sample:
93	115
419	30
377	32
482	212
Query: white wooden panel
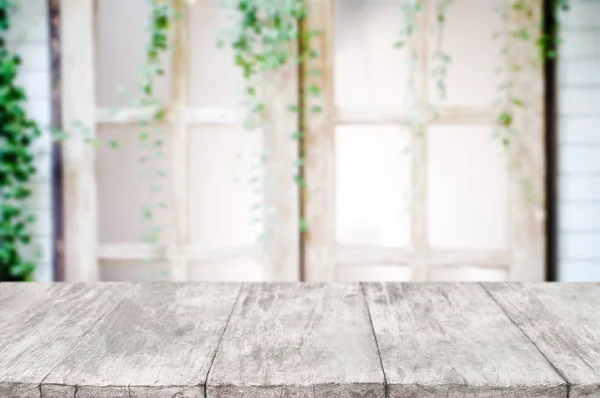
580	159
579	130
124	183
575	187
579	271
227	271
34	57
580	43
32	8
579	217
579	101
36	85
373	273
582	14
40	251
225	186
467	274
41	196
27	28
580	246
40	111
579	72
467	189
372	186
467	39
121	40
215	80
368	71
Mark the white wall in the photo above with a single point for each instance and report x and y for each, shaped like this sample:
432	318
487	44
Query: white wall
29	37
579	143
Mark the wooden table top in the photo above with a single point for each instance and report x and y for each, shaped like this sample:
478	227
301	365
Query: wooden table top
365	340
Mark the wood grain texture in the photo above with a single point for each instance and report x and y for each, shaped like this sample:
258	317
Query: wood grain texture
179	173
452	340
39	337
282	243
17	297
526	152
563	321
319	199
295	340
158	342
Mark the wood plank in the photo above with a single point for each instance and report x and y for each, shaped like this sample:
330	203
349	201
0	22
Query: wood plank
419	47
158	342
563	321
452	340
180	227
193	115
36	340
319	203
18	297
282	243
526	155
294	339
78	96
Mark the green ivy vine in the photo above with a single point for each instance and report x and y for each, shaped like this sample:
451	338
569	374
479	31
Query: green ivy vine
151	136
262	41
18	132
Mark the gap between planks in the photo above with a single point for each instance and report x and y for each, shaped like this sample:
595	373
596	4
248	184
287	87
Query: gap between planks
505	312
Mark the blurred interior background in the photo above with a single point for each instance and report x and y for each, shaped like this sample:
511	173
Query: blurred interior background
453	154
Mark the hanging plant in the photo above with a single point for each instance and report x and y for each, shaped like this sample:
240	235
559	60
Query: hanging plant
151	136
262	41
18	132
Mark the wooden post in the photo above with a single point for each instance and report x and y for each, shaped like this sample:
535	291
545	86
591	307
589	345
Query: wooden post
527	210
78	96
179	177
282	248
419	228
319	206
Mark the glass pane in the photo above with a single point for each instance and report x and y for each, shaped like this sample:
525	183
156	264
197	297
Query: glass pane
475	55
467	189
121	37
372	185
130	178
225	186
368	71
373	272
215	80
468	274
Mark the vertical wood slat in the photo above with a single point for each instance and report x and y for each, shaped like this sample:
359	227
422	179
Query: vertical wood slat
319	210
282	248
179	154
526	154
419	44
80	209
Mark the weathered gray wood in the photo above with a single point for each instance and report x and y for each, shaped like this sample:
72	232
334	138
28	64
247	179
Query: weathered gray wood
36	339
16	298
452	340
563	321
296	340
159	341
